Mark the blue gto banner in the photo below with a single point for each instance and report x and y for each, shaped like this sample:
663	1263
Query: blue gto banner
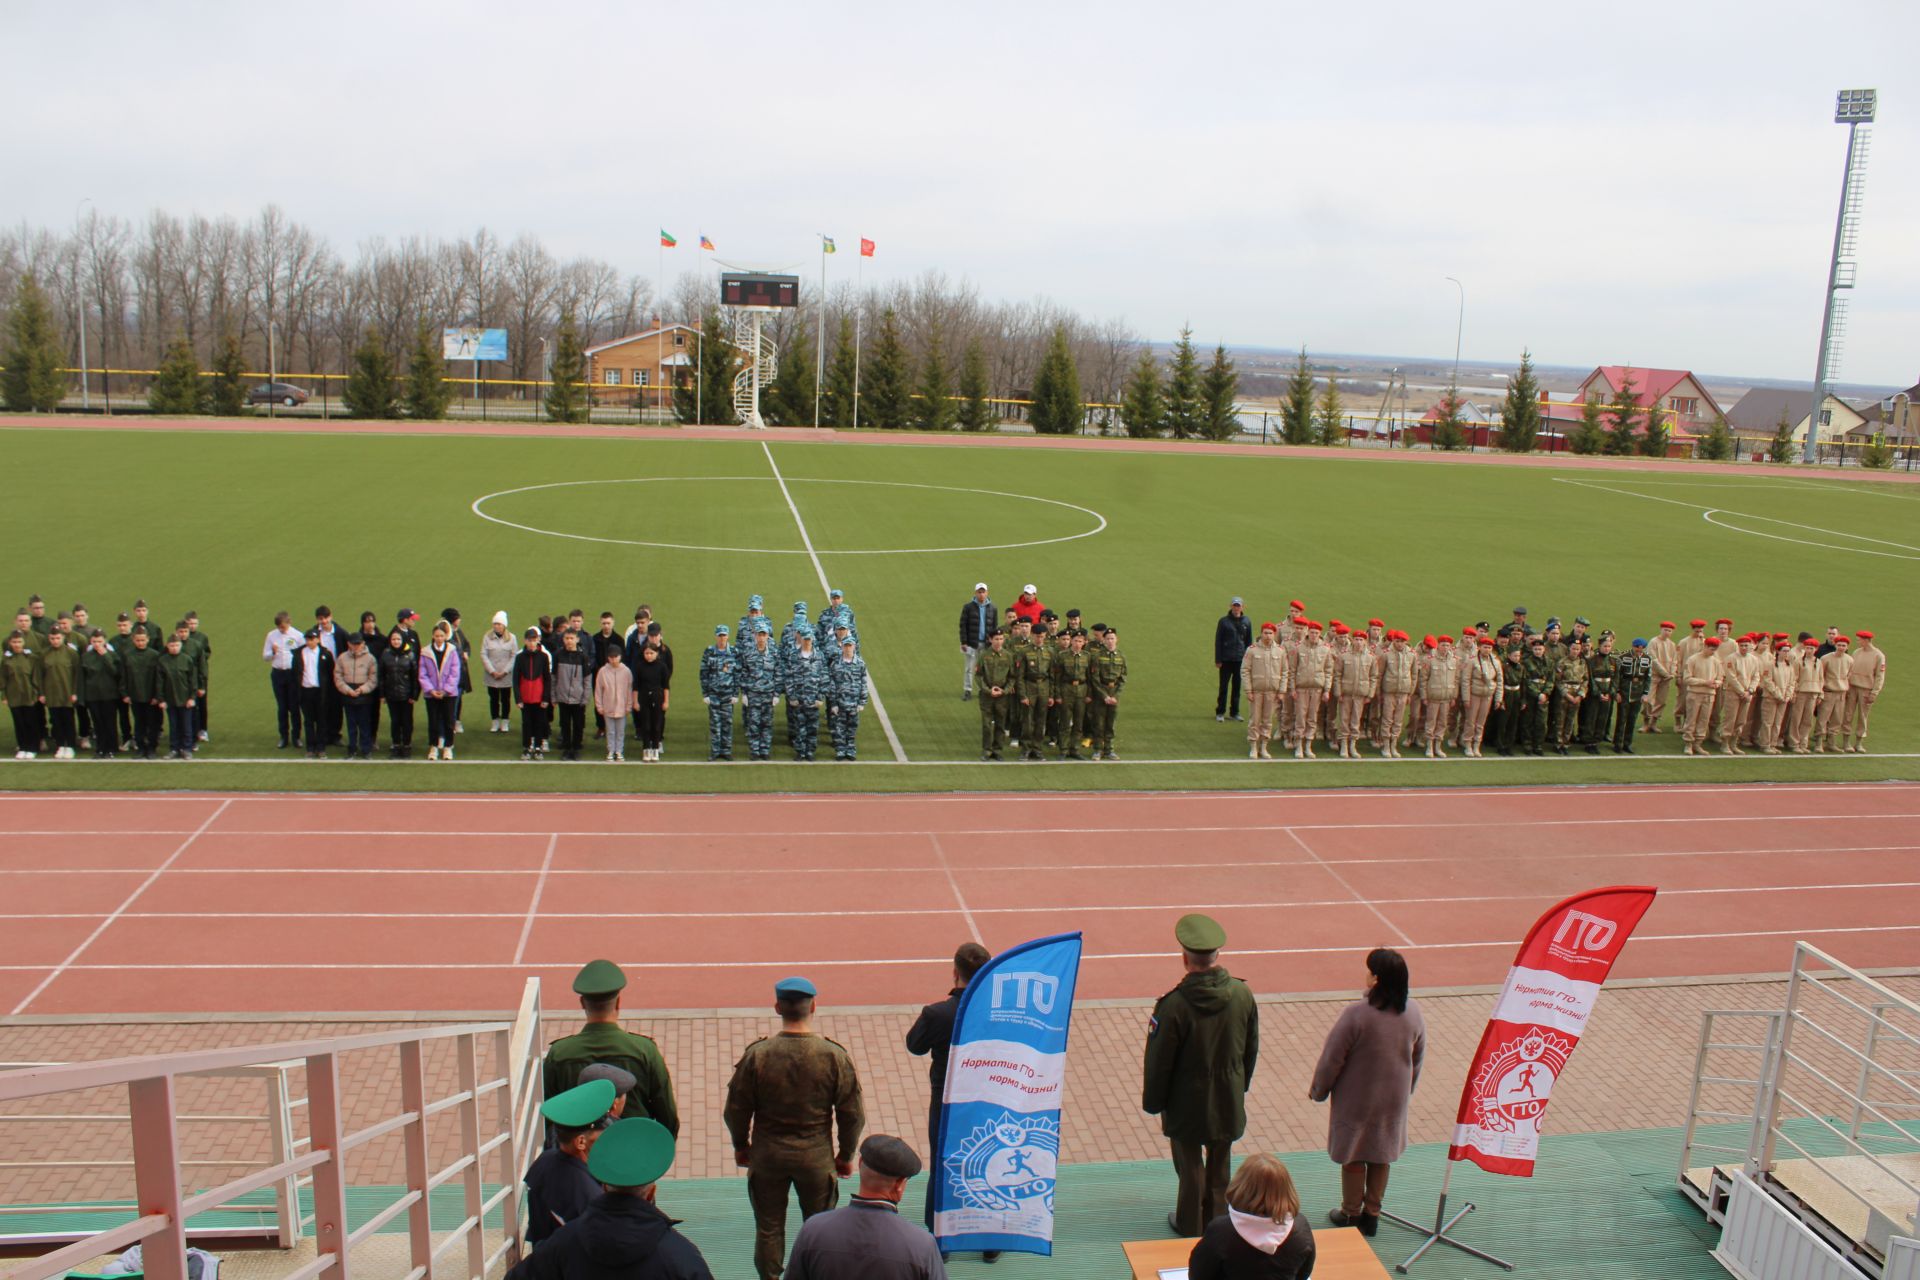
995	1162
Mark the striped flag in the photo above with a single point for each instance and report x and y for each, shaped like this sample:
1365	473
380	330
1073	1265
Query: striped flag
866	247
705	243
667	241
826	245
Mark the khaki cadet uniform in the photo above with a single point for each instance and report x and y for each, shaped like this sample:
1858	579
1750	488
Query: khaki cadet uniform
1264	669
1202	1044
1484	683
1071	672
1700	681
1736	699
1357	677
1806	696
789	1093
1399	670
1312	682
1690	647
1776	695
652	1092
1441	693
993	669
1865	680
1666	666
1836	682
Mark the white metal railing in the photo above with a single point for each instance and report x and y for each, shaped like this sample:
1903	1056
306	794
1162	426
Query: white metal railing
497	1121
1727	1068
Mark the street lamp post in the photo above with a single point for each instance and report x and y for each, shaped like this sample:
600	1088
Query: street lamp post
80	304
1458	324
1855	109
272	366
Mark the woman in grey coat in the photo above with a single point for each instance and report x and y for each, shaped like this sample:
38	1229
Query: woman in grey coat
1369	1067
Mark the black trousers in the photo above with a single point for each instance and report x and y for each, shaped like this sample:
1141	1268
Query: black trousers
105	740
360	726
1228	703
83	717
125	714
1623	724
334	712
313	714
573	724
650	722
440	722
400	715
286	703
533	725
29	726
61	727
147	720
499	703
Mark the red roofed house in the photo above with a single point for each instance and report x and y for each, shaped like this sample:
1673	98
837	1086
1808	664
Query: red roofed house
1477	426
1686	406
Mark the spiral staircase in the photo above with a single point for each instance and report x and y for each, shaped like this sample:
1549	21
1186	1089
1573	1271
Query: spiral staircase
759	366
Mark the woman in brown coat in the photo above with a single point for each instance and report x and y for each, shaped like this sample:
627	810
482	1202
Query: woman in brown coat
1369	1067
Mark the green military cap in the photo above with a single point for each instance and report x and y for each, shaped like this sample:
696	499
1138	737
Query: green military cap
582	1106
599	978
631	1153
1199	933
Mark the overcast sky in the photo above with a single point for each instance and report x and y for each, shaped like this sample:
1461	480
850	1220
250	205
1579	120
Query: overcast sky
1640	183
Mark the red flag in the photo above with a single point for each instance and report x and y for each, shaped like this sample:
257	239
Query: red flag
1548	997
866	247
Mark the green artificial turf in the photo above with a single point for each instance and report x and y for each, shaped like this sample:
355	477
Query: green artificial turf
238	526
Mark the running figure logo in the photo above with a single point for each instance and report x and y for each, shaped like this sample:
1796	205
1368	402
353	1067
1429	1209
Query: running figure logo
1008	1163
1511	1090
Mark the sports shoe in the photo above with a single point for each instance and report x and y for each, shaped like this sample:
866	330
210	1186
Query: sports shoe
203	736
1219	719
526	755
64	753
446	753
458	727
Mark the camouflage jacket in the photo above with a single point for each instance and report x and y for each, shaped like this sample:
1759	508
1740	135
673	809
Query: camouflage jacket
994	669
759	673
847	682
804	678
1108	673
787	1096
719	672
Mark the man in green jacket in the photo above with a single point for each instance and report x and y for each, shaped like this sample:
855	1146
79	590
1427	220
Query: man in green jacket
59	691
101	688
993	672
178	679
1202	1043
140	672
599	985
197	644
20	690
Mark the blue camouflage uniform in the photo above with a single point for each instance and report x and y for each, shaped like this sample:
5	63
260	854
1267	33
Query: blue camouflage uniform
752	618
846	695
719	681
837	611
804	681
760	683
789	643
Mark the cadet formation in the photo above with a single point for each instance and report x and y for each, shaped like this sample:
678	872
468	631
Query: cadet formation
1044	683
1515	690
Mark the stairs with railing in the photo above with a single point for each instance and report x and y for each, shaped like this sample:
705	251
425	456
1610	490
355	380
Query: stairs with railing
746	338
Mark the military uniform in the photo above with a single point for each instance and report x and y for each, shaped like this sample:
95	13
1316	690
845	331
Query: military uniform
1033	674
790	645
652	1092
1513	700
993	669
804	680
788	1095
760	684
1569	691
1596	712
559	1187
1072	673
1633	678
1107	676
837	613
846	695
719	682
1866	678
1665	656
1312	681
620	1235
1700	682
1399	673
1537	679
1202	1044
1441	693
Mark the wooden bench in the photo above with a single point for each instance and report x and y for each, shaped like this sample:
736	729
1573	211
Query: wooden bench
1342	1254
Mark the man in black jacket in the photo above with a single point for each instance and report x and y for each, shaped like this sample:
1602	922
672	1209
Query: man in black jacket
1231	639
622	1235
977	621
932	1033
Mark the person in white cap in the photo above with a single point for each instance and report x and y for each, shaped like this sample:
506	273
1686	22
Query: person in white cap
1028	606
977	621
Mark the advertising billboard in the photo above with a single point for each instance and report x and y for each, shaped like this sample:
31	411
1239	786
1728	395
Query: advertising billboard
471	342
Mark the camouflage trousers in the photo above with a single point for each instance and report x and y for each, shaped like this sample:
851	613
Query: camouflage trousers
719	727
843	723
757	719
803	729
993	721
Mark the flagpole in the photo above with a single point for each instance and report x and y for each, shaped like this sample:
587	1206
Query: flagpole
859	305
659	312
820	340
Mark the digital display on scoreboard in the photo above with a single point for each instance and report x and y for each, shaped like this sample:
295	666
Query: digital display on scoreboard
747	289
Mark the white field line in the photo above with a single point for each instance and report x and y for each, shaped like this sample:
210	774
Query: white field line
966	912
539	889
1341	880
1708	512
873	690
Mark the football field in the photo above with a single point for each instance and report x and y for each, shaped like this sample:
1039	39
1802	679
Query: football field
239	525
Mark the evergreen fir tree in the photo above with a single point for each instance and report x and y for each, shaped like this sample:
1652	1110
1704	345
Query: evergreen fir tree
1185	413
1658	435
1622	411
885	378
370	390
1450	429
567	397
227	396
1877	456
1780	448
836	404
976	412
1520	418
32	381
1057	408
176	385
427	393
1717	444
789	401
707	397
933	411
1141	407
1331	428
1219	390
1296	410
1590	437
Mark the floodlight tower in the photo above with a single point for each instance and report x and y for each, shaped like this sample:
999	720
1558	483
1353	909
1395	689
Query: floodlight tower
1853	108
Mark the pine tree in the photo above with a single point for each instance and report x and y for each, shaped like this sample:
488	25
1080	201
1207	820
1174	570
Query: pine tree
1658	435
1590	436
1330	428
836	402
1219	390
1717	444
32	381
1780	448
789	401
427	393
370	391
1057	408
1185	414
1877	456
933	411
1141	404
1450	429
707	397
1520	419
1622	412
176	385
885	378
976	412
1296	410
227	396
567	394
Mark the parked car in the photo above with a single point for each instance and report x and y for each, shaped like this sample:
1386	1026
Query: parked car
278	393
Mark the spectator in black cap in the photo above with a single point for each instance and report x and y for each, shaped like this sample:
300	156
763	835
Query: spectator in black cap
1231	637
868	1239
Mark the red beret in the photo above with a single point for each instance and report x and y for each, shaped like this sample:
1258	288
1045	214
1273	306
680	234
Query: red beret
1781	635
1468	632
1269	626
1333	622
1486	642
1375	622
1713	642
1781	645
1445	638
1666	626
1698	622
1295	604
1842	640
1811	643
1864	635
1723	622
1313	626
1430	642
1340	628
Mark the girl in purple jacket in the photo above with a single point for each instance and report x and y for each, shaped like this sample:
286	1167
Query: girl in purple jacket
440	681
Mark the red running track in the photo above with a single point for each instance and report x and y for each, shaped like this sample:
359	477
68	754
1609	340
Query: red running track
303	904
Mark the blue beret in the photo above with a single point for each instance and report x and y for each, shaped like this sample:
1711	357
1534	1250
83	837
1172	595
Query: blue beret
1639	644
794	987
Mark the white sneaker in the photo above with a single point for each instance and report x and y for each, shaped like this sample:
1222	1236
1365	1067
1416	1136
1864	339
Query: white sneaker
446	753
433	753
459	727
64	753
23	755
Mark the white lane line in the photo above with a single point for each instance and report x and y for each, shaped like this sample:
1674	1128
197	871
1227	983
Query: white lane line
873	690
966	911
1708	512
533	907
1341	880
121	910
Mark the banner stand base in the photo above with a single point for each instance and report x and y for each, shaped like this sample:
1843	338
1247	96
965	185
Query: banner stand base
1442	1224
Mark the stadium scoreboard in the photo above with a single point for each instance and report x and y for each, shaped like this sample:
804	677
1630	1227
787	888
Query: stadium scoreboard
756	289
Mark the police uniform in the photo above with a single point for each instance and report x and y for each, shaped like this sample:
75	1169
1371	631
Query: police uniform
846	695
719	682
1202	1044
567	1057
559	1187
621	1235
992	670
789	1094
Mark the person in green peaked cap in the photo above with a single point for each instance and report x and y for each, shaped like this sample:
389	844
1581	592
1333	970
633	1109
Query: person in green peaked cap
599	985
622	1235
1202	1042
559	1187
